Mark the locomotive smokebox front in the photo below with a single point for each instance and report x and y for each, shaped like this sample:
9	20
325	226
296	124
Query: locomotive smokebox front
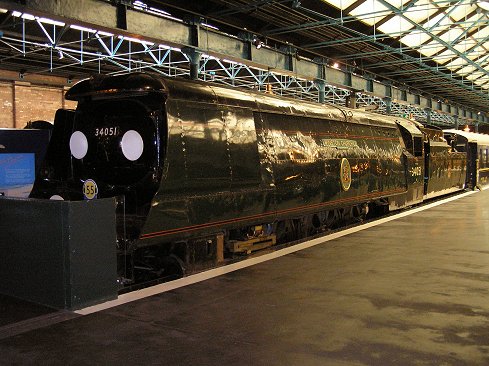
116	140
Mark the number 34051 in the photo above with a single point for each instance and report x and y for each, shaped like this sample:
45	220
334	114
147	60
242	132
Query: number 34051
106	131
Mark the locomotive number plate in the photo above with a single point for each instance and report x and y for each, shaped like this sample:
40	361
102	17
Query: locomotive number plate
107	131
415	171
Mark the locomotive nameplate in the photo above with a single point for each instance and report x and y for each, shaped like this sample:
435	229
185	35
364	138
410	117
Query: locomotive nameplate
340	144
90	189
345	174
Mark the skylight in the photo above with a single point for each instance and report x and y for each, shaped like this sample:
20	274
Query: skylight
453	34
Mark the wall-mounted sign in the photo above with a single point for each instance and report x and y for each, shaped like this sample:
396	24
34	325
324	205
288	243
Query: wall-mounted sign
17	174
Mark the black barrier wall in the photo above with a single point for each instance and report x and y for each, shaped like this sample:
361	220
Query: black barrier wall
58	253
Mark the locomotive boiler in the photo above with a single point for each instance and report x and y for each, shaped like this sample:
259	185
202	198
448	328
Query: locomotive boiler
205	172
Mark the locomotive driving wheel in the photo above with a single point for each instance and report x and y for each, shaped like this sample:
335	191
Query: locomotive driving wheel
286	231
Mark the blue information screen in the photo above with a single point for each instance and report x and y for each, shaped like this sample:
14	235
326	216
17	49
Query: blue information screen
17	174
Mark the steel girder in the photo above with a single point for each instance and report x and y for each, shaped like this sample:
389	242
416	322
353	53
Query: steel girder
64	45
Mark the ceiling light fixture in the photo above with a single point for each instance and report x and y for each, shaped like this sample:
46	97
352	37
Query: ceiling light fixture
257	42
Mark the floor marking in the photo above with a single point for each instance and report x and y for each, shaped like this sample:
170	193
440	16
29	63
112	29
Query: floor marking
203	276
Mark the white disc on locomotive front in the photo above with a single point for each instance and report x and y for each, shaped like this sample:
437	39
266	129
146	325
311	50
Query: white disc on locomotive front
132	145
78	145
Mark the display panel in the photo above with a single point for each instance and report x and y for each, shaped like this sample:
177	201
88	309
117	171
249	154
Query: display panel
17	174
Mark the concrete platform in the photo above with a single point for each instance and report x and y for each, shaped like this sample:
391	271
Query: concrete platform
413	291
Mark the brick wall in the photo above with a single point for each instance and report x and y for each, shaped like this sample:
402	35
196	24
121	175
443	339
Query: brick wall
6	105
36	98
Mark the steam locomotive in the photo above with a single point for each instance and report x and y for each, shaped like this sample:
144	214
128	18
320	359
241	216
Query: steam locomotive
204	173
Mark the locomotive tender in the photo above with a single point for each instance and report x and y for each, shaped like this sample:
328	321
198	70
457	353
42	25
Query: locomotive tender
205	171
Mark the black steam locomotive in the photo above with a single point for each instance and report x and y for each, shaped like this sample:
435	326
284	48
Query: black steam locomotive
204	172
